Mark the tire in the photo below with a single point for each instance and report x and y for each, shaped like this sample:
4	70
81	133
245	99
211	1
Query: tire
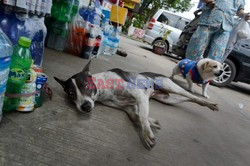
161	43
227	76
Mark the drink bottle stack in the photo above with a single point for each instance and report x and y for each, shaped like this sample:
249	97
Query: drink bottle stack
26	18
62	13
22	37
90	34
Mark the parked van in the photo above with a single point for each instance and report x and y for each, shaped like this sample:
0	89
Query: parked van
165	20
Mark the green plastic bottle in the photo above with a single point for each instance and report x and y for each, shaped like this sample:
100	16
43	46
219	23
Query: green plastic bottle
61	10
20	64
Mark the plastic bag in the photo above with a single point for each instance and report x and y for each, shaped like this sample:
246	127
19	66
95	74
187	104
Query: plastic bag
243	29
76	36
236	35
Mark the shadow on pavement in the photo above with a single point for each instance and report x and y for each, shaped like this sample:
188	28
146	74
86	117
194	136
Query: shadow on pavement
146	48
172	57
242	88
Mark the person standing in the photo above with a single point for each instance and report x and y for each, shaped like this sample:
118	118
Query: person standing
216	23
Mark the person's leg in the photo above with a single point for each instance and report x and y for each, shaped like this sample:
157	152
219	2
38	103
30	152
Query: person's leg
198	43
218	45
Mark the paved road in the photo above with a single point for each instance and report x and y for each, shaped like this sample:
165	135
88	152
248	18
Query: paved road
191	135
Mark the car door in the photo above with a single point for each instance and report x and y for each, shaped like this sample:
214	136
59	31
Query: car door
243	49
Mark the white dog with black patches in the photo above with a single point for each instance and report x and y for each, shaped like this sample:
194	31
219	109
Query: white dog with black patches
129	92
200	72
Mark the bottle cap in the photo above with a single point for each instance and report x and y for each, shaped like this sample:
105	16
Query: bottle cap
24	41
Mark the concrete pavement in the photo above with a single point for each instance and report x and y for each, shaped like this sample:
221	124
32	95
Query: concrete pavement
56	134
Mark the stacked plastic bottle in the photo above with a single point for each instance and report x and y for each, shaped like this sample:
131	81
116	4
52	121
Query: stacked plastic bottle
5	59
20	20
105	35
110	43
62	13
114	40
38	7
91	17
38	39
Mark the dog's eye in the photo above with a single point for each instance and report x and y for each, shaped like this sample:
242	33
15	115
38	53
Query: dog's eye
72	94
215	66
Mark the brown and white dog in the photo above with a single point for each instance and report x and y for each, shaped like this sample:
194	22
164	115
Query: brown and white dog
200	72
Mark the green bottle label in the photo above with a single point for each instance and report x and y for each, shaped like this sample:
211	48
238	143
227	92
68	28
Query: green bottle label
16	74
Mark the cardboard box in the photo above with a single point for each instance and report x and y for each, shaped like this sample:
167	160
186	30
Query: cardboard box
118	15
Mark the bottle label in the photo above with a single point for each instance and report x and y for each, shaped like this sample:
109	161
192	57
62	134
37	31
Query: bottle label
27	103
98	42
91	42
4	72
17	74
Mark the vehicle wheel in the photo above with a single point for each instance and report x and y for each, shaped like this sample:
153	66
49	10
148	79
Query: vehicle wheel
160	43
228	74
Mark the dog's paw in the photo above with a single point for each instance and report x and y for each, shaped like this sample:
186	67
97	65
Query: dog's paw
154	123
213	107
149	138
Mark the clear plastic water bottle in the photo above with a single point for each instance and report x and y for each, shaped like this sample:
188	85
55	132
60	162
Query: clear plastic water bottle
5	53
97	19
84	13
105	36
32	6
41	7
22	6
49	7
7	19
115	42
37	45
21	27
92	14
98	13
109	44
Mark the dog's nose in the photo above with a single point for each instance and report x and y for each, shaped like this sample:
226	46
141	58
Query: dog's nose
86	107
219	73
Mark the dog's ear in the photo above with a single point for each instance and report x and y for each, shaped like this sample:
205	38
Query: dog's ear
204	66
86	68
60	81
